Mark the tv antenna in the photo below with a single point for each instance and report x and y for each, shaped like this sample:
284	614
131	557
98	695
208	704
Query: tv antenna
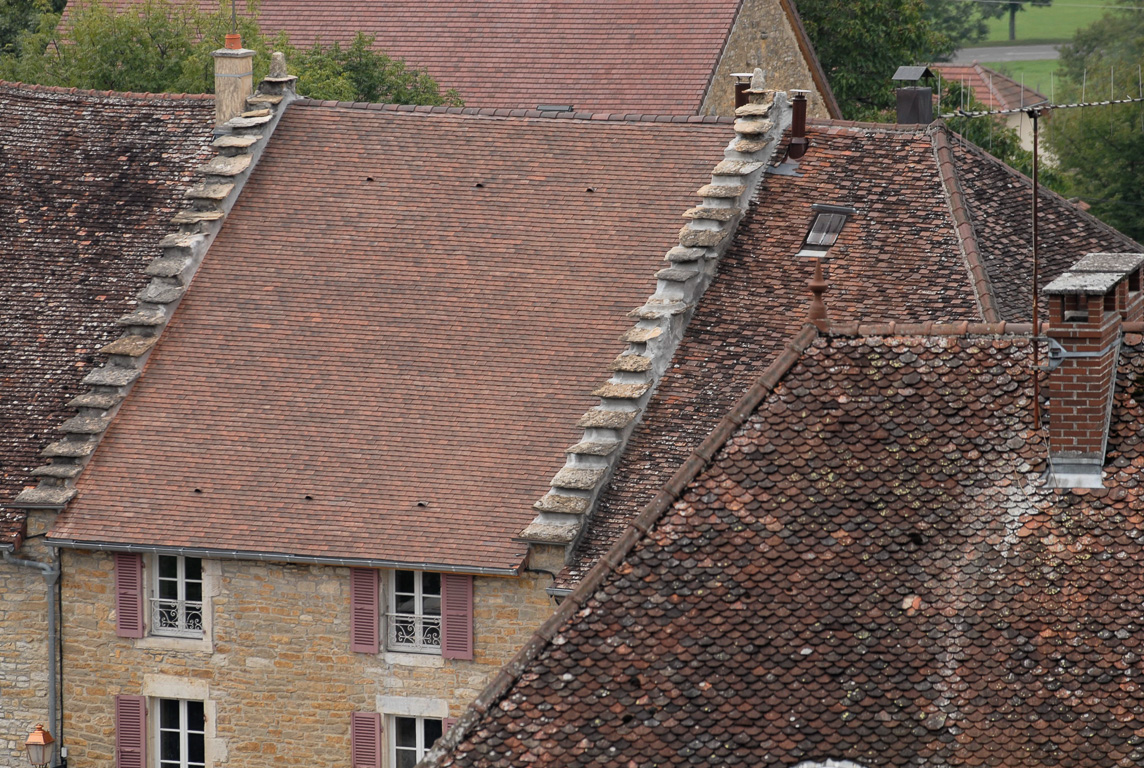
1035	112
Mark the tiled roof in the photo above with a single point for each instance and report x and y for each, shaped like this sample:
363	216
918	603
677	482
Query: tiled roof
869	569
999	201
403	308
647	56
89	181
931	213
990	87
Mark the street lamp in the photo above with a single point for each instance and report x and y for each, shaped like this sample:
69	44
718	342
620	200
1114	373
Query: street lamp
39	746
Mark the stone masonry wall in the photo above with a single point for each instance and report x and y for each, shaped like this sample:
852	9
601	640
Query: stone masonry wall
762	37
280	680
23	650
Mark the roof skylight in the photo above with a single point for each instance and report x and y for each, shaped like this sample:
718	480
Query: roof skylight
824	230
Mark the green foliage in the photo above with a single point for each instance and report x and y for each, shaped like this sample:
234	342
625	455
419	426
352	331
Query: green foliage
1101	149
963	23
1013	7
166	47
862	42
18	16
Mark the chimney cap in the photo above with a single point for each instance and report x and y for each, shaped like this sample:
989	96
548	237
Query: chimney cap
1123	263
913	74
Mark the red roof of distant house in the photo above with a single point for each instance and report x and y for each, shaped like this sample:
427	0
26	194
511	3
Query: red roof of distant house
990	87
89	180
937	220
385	351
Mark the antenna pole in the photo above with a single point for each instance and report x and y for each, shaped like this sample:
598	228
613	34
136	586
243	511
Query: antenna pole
234	16
1034	114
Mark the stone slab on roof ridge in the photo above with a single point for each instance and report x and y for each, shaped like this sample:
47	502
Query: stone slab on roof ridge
172	272
662	321
508	112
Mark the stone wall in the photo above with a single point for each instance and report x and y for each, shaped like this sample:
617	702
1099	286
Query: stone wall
763	37
23	647
277	672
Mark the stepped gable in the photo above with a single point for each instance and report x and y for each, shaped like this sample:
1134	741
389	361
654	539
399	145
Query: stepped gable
90	180
999	203
898	257
869	571
394	335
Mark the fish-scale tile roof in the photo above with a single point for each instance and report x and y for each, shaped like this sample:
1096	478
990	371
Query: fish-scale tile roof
937	235
89	181
868	569
999	201
386	348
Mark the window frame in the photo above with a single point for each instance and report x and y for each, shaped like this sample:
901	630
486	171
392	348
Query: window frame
420	747
183	729
391	617
819	240
154	600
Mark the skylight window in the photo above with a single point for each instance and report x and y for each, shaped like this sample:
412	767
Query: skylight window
824	230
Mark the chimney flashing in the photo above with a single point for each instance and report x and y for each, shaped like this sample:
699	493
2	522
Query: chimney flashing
1076	471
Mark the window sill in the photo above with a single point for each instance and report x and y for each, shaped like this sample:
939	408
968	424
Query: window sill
431	660
165	643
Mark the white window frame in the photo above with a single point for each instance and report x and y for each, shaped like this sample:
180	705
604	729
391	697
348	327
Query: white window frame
183	729
395	622
421	748
182	609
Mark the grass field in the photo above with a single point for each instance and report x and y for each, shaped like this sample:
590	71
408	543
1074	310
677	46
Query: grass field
1055	23
1035	73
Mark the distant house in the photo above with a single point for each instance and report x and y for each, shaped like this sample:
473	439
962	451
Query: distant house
656	57
877	558
997	92
88	184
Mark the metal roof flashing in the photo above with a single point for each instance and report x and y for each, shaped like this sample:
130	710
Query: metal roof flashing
1076	472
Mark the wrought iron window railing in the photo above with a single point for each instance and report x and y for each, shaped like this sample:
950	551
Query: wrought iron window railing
176	618
415	633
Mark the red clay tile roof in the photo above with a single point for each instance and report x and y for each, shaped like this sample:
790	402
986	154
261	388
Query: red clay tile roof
403	307
868	570
900	258
642	56
89	182
990	87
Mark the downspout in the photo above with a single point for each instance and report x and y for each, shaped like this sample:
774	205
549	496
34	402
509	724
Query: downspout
51	573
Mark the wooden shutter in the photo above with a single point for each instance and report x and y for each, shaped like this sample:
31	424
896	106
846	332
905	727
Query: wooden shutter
130	732
365	739
129	591
447	723
364	626
456	616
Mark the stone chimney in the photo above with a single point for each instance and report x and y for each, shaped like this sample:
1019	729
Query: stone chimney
1087	305
234	77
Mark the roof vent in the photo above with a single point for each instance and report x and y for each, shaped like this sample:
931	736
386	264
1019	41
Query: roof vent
915	102
824	229
553	107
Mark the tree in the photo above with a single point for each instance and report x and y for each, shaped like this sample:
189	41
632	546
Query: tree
1013	7
161	46
18	16
964	23
1101	149
860	44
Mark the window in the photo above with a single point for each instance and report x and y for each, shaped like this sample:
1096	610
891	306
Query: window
415	615
180	733
412	737
177	603
824	230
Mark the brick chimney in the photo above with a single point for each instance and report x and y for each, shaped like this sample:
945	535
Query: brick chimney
234	73
1087	305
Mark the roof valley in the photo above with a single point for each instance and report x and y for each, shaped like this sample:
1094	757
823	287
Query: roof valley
240	143
563	512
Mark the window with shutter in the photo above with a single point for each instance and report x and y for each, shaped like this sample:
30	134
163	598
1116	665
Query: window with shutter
128	595
365	628
365	739
130	732
456	616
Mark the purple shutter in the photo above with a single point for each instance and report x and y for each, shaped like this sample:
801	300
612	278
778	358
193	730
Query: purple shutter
456	616
128	594
447	723
130	732
364	625
365	739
